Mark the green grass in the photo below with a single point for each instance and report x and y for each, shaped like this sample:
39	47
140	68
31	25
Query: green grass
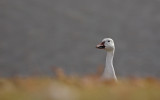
89	87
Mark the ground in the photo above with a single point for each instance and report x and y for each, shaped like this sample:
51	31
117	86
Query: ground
89	87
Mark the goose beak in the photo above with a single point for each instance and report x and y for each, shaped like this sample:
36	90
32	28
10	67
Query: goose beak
100	46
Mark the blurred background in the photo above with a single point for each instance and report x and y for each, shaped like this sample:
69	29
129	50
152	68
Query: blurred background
37	35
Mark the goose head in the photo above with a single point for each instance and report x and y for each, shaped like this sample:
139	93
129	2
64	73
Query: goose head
106	44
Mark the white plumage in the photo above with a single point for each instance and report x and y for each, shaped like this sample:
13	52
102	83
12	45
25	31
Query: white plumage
108	45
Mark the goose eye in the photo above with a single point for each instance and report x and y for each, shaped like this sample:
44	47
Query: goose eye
108	40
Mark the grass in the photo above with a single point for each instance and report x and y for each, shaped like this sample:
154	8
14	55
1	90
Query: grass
89	87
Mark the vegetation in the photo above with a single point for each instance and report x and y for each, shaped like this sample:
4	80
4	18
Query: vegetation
89	87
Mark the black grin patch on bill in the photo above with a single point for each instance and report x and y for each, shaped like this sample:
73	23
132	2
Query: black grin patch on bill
101	47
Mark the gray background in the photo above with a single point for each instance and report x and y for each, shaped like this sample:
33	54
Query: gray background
37	35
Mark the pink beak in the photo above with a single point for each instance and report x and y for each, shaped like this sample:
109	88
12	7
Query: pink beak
101	45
